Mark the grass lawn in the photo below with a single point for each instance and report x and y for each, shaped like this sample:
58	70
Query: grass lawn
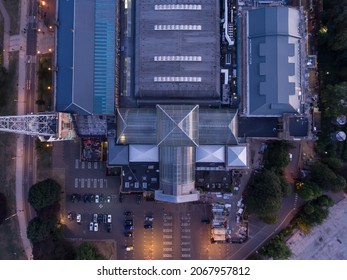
13	9
10	242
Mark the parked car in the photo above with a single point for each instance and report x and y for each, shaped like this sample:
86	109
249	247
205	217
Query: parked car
96	198
102	198
138	199
104	218
128	233
147	226
109	218
149	219
91	226
127	227
95	218
128	213
71	216
205	221
108	199
109	227
79	218
128	222
96	226
100	217
129	248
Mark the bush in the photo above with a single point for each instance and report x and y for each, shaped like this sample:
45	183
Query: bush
44	194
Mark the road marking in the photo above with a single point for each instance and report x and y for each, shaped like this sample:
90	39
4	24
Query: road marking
185	236
82	183
88	183
168	243
167	229
101	183
167	224
185	224
95	183
89	165
76	163
167	256
185	249
185	255
167	236
76	182
185	230
95	165
185	243
83	164
167	249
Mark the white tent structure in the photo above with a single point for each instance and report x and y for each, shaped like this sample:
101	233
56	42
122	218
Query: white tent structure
237	156
143	153
210	153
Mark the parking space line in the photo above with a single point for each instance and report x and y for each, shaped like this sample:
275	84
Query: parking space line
105	183
101	183
167	229
76	183
168	243
167	249
82	183
95	165
83	164
167	255
167	236
88	183
76	163
95	183
89	165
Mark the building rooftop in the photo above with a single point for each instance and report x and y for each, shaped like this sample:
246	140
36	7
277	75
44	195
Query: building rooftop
273	61
86	56
177	50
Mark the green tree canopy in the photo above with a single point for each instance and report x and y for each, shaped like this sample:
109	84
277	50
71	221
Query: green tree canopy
309	190
44	193
277	249
39	230
264	194
277	156
326	179
87	251
3	208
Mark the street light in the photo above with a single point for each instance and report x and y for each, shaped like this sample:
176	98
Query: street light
13	215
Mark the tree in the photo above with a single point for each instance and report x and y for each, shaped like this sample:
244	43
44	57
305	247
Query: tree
334	163
38	230
3	207
276	249
326	179
264	194
87	251
285	186
44	193
40	102
277	156
308	190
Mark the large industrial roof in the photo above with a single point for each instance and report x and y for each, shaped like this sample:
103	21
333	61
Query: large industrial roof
273	61
180	125
86	56
177	50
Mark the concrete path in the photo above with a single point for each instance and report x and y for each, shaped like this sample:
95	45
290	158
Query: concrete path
6	46
23	217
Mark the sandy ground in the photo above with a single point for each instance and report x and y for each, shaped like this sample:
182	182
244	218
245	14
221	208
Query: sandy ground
327	241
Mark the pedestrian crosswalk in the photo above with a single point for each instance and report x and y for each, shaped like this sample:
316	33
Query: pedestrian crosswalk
87	165
90	183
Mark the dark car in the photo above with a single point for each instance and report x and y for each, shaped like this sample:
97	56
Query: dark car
109	227
71	216
102	198
91	198
128	222
205	221
128	233
138	199
126	227
128	213
85	197
100	218
104	218
148	226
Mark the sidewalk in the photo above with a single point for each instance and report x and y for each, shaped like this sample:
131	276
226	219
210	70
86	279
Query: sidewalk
6	46
20	197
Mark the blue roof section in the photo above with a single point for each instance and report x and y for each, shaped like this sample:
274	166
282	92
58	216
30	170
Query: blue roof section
64	55
86	56
104	56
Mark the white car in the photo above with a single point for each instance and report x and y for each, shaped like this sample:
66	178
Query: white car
96	226
149	219
96	198
79	218
129	248
91	226
109	218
